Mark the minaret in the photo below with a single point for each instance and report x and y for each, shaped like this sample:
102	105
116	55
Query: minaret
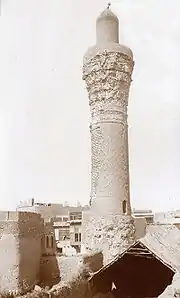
107	71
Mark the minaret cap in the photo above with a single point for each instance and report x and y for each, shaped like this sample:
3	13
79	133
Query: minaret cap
107	13
107	27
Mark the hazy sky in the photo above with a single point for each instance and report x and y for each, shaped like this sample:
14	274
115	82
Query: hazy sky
44	112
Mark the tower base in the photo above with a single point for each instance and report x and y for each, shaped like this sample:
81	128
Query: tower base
112	234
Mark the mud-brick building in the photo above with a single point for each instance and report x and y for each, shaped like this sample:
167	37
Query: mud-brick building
25	244
145	269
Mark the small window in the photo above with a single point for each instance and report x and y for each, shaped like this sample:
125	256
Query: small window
77	237
124	205
52	242
47	241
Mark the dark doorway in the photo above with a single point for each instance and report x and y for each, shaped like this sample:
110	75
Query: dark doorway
137	274
140	275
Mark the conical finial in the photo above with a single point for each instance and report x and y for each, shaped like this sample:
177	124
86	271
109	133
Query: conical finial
108	6
107	26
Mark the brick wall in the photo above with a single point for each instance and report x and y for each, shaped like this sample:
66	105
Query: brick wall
9	252
20	250
49	271
30	234
48	240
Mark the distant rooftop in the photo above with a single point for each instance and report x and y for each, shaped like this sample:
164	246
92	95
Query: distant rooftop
142	211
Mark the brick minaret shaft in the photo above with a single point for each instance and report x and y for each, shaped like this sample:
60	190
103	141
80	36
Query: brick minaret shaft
107	71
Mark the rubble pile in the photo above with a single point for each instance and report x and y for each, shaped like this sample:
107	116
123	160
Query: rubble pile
76	288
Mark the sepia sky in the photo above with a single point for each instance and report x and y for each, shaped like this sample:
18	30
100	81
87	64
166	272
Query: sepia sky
44	112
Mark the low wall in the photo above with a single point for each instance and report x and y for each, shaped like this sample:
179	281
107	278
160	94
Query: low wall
77	286
54	268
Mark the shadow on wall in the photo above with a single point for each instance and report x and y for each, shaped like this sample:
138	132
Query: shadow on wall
49	271
94	261
30	231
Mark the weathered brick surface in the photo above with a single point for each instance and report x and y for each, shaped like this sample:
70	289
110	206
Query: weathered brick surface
94	261
20	249
30	233
110	234
48	231
49	271
69	266
9	263
108	78
107	71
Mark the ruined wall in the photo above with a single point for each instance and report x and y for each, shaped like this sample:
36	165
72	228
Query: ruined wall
110	234
75	284
49	271
30	234
55	268
20	250
9	252
65	269
69	266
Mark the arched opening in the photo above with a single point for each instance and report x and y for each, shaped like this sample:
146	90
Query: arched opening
47	241
124	206
52	241
42	242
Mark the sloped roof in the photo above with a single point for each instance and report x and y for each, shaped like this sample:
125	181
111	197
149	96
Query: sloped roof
163	241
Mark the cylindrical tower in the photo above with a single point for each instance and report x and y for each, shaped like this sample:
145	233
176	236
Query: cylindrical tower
107	72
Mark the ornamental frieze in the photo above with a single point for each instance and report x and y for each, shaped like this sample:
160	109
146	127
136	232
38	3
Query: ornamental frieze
113	98
102	81
108	61
109	115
